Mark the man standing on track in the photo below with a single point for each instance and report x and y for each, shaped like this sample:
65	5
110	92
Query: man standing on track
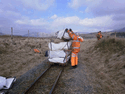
75	47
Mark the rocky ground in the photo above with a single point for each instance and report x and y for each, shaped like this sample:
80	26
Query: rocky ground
92	76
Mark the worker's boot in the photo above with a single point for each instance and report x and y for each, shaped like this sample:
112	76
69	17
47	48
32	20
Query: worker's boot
72	67
75	66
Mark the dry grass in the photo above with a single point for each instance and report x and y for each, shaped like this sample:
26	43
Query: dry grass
104	61
2	50
106	66
111	45
17	56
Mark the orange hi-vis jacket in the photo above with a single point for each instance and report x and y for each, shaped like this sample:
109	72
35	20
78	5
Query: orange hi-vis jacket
76	42
100	35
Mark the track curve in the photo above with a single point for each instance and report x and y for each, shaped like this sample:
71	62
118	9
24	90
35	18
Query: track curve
46	82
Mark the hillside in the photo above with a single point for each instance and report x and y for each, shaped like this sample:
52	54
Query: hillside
118	34
120	30
104	61
93	35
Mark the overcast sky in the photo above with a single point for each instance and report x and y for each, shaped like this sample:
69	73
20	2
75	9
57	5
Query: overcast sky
53	15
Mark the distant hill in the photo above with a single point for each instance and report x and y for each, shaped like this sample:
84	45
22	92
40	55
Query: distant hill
83	32
33	34
1	33
119	30
93	35
119	33
39	34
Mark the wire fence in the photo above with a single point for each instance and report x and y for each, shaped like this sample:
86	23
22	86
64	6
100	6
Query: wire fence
49	35
29	34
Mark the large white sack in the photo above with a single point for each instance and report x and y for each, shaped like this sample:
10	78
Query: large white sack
63	35
9	82
57	54
59	60
6	83
59	46
2	82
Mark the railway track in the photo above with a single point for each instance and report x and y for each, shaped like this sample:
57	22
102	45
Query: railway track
46	82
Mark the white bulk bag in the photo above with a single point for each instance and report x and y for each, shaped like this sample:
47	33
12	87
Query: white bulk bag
59	46
6	83
63	35
2	82
57	54
59	60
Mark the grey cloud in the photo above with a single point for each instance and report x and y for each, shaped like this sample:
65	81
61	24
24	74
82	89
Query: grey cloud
116	8
119	17
102	8
9	5
107	7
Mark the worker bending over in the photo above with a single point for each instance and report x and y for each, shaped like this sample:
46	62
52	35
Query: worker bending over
75	47
99	35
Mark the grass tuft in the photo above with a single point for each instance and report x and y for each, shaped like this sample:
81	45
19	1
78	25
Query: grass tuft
2	50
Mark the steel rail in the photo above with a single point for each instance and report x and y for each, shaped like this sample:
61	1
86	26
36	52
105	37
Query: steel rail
53	87
26	91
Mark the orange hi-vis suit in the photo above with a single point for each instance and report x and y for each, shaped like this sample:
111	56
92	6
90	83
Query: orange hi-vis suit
75	47
100	36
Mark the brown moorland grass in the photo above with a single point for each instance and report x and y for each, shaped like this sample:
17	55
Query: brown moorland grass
17	56
105	63
2	50
111	45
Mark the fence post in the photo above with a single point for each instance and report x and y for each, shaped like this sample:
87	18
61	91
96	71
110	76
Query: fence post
37	34
11	32
115	35
28	33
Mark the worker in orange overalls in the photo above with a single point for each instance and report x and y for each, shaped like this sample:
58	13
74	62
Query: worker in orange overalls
75	47
99	35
